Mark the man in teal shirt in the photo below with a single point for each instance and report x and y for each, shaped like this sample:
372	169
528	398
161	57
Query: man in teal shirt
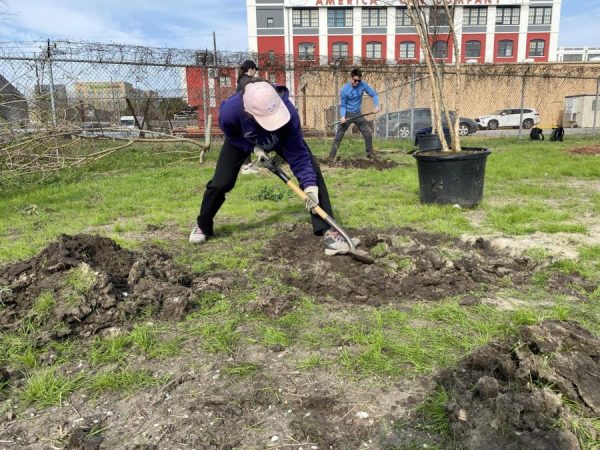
351	96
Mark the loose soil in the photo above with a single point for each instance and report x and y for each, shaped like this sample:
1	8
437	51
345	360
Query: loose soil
97	286
512	394
409	264
592	150
90	283
359	163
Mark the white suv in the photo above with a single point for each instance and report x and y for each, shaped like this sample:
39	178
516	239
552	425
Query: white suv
509	118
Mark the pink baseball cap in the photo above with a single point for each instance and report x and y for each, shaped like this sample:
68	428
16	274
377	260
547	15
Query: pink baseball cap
262	101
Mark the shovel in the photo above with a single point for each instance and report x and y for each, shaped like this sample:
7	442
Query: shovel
362	115
359	255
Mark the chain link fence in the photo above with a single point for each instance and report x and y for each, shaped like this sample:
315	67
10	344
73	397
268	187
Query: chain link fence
58	84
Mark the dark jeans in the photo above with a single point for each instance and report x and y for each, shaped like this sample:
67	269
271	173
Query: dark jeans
228	167
363	127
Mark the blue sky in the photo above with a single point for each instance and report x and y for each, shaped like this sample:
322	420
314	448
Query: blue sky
190	23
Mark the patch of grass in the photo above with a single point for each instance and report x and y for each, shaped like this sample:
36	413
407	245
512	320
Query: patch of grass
433	412
44	305
109	349
19	350
81	278
311	362
210	303
537	254
122	380
243	370
272	194
519	218
48	387
586	429
273	336
220	337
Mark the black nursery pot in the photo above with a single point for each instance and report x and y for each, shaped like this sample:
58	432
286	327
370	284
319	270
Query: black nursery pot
431	141
452	178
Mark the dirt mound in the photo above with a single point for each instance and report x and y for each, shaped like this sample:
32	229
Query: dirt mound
516	394
359	163
588	150
82	284
408	264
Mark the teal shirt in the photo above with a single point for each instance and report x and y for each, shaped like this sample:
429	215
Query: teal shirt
351	97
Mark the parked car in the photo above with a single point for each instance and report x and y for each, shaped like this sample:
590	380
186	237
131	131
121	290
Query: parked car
398	123
509	118
186	115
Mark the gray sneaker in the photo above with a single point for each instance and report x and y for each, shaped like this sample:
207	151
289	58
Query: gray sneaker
335	244
249	169
197	236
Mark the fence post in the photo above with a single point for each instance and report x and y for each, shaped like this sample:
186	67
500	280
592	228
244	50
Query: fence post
52	101
387	110
596	107
336	93
413	94
522	106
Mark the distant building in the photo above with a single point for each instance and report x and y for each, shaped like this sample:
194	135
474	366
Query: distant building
13	106
488	30
107	96
579	54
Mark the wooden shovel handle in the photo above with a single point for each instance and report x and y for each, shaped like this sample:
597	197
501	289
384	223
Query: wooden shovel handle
300	193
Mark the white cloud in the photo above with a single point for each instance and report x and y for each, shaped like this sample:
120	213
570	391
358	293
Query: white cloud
185	23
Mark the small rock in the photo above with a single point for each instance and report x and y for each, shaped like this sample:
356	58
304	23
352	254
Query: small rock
469	300
487	387
362	414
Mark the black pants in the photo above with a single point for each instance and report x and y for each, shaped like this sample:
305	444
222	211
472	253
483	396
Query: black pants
363	127
228	167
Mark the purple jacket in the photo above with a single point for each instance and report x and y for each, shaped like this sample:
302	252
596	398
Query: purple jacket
244	133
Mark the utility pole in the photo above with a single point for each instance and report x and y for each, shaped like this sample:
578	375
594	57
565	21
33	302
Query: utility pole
215	47
52	101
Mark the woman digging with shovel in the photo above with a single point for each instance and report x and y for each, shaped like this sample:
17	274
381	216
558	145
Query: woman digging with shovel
261	119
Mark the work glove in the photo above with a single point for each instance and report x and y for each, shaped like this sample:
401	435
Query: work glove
260	154
313	197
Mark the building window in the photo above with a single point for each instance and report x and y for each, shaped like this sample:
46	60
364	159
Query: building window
508	15
403	18
475	16
540	15
407	50
440	49
224	81
340	50
438	16
270	22
536	47
271	56
374	17
505	49
374	50
306	51
308	18
473	49
578	57
339	17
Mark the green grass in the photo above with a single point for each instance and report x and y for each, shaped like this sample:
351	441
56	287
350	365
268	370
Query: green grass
122	380
47	387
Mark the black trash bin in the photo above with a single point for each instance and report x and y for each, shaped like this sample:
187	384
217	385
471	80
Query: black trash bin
452	178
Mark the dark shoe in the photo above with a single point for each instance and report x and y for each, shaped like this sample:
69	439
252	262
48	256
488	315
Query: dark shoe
371	155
